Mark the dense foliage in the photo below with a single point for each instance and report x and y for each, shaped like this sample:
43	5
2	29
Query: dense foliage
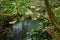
34	12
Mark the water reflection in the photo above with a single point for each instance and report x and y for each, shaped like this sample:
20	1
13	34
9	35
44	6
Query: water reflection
20	29
17	27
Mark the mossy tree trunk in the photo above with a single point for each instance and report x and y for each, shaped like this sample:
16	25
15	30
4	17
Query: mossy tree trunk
52	15
52	18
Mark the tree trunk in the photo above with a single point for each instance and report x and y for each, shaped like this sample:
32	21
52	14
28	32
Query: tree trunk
53	20
52	15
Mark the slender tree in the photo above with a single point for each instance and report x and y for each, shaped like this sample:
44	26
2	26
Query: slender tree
53	20
52	15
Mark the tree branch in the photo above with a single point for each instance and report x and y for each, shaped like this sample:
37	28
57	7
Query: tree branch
6	15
